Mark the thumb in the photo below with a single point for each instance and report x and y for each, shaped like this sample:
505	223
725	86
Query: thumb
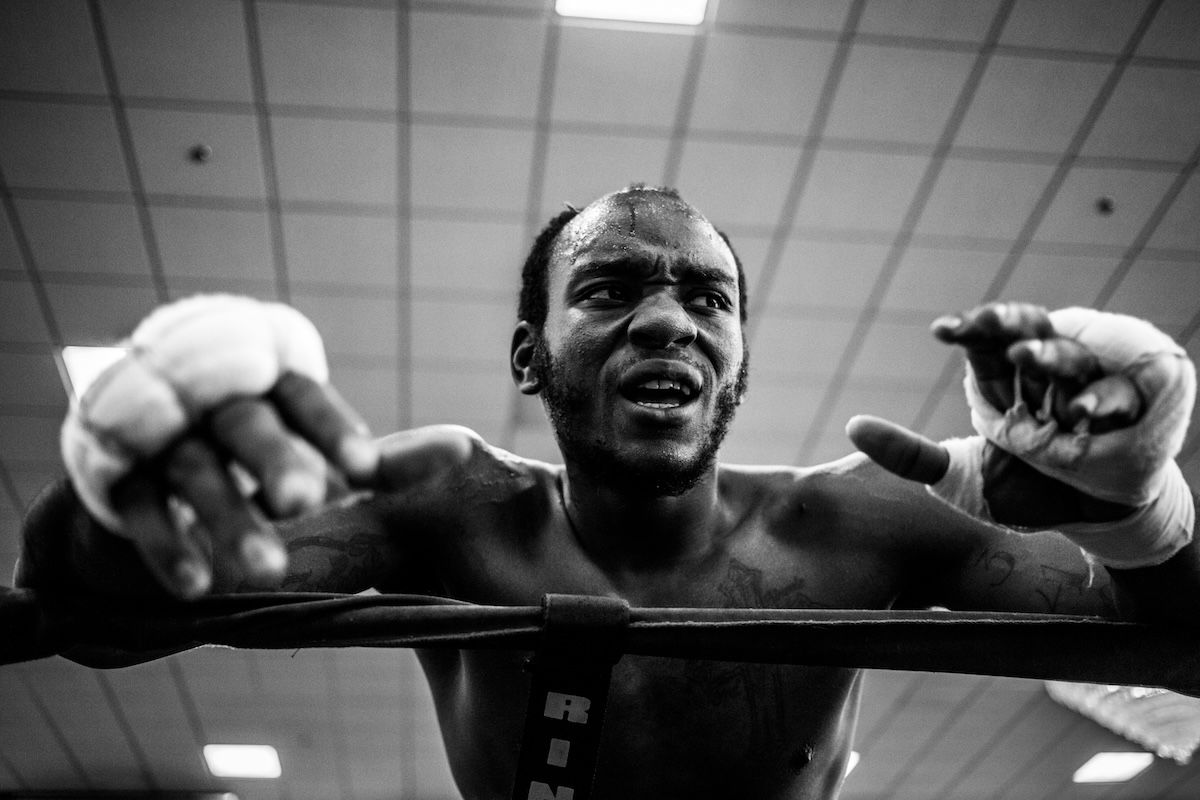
899	450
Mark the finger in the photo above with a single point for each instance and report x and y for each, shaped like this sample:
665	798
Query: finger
291	473
241	539
173	557
994	326
1108	404
1057	357
899	450
319	414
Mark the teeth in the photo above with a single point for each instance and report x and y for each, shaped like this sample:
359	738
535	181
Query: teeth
662	383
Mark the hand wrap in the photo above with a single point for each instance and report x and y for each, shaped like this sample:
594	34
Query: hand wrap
1134	466
185	359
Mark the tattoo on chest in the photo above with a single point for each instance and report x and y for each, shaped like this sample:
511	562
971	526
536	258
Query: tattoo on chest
746	587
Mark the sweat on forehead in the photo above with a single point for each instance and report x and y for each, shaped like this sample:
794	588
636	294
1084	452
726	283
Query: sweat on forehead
620	213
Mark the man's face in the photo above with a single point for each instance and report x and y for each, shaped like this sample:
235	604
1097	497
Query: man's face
641	357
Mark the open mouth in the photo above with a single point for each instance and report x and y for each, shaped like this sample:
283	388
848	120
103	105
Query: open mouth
661	385
659	393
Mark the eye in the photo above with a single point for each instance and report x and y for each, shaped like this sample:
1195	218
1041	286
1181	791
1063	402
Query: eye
608	292
711	300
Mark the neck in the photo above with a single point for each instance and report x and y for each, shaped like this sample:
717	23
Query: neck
619	527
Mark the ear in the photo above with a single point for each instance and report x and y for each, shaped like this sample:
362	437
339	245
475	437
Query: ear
524	343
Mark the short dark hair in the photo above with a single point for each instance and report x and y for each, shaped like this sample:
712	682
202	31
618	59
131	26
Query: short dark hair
534	298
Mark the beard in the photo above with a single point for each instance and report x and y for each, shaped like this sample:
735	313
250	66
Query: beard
566	405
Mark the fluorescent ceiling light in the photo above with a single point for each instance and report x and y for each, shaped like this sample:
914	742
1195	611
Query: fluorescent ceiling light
242	760
672	12
84	365
852	762
1112	767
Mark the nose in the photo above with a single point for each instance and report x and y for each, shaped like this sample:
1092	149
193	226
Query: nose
661	322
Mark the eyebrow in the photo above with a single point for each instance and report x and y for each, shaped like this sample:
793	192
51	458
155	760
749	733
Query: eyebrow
634	266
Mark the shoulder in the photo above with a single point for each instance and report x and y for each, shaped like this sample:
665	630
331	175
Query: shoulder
458	460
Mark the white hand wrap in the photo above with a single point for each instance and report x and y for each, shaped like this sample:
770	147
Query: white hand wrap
184	359
1134	466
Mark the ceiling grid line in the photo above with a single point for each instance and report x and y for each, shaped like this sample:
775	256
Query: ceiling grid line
54	728
1038	756
935	737
953	363
125	138
804	166
916	207
990	746
131	739
683	109
865	741
405	376
537	180
12	770
266	147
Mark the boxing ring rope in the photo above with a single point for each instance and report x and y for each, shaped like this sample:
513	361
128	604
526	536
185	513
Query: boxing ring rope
1041	646
575	640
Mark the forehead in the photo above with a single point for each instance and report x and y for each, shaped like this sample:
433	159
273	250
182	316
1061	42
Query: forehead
640	226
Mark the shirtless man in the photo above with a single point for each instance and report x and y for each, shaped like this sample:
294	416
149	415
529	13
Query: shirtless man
631	333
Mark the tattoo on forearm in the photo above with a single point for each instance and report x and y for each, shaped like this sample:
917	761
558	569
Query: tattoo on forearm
999	564
329	562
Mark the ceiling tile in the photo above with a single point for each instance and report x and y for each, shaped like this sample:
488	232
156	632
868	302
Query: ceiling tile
941	281
461	333
751	250
536	442
179	48
1098	26
760	84
364	327
48	46
33	439
357	251
1029	104
798	345
1057	281
1178	226
826	274
335	160
163	139
471	168
30	478
580	167
98	314
467	256
31	380
95	238
899	403
736	183
935	19
10	254
501	77
1152	114
778	407
454	396
1072	217
328	56
894	94
213	243
951	416
619	77
859	191
1175	32
828	15
373	392
900	351
52	146
984	199
21	320
1165	292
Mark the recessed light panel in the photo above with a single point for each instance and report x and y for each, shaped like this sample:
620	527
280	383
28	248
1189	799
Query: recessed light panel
1112	767
84	365
671	12
242	760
